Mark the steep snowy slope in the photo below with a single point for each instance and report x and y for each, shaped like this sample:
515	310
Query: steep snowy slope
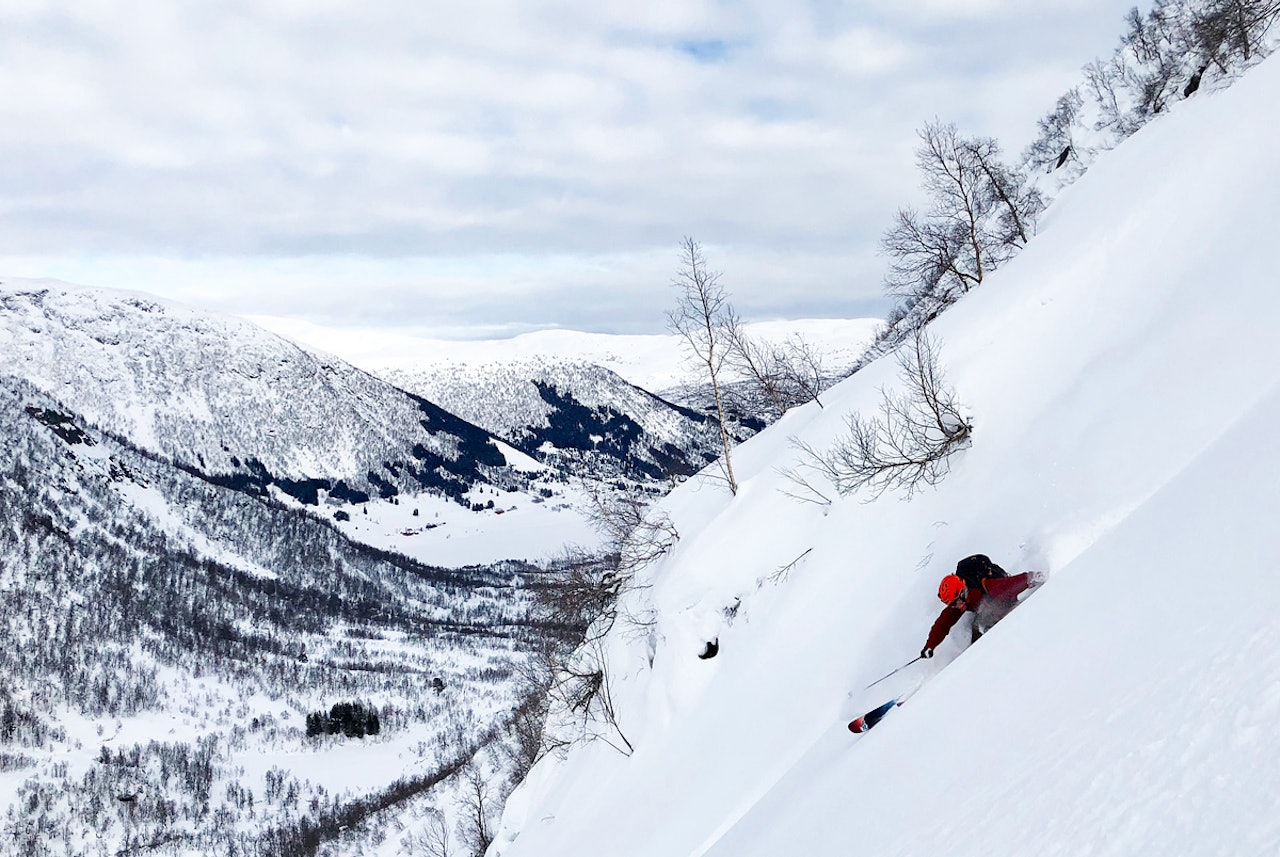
1123	377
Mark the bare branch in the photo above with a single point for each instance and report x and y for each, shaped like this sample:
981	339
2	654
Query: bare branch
909	442
786	375
782	573
583	686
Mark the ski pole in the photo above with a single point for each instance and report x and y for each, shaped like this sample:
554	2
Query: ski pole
898	670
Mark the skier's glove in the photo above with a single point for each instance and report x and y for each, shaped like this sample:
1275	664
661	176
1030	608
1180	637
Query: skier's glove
926	652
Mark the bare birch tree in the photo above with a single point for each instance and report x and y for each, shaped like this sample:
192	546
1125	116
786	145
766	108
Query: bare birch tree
785	375
980	214
1233	31
433	839
478	805
702	317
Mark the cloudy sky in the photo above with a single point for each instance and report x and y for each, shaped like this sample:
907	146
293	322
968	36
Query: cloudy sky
495	166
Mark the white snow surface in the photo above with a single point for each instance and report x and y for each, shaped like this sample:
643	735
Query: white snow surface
1123	377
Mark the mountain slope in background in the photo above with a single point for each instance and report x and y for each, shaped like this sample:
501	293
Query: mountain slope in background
576	416
1123	377
246	409
230	399
598	406
654	362
168	638
212	540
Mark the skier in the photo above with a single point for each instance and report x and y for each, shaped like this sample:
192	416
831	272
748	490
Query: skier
982	588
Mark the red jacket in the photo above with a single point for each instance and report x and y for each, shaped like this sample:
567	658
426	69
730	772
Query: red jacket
991	602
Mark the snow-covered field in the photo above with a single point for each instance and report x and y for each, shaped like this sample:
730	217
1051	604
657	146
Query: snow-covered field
1123	378
446	534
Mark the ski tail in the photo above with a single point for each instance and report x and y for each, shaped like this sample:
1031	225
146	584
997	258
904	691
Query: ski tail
871	718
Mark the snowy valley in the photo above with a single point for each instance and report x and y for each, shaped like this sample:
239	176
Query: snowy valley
271	588
310	595
208	594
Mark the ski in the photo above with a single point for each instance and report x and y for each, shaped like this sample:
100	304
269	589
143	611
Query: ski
872	717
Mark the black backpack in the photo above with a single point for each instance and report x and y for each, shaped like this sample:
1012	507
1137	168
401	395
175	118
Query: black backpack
977	568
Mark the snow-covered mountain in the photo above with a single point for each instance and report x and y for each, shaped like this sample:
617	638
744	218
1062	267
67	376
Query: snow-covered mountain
232	570
578	416
1122	375
230	399
248	409
653	362
598	406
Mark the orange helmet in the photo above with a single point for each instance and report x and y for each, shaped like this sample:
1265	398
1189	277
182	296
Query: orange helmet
950	589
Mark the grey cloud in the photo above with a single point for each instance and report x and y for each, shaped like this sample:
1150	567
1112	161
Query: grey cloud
254	137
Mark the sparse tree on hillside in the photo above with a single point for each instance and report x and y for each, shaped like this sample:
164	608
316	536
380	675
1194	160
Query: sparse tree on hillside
476	827
980	214
634	531
1165	52
1228	31
909	443
1105	80
702	318
584	685
432	839
1055	145
1160	43
785	375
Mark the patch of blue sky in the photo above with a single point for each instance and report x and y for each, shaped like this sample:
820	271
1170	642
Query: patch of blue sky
707	51
778	110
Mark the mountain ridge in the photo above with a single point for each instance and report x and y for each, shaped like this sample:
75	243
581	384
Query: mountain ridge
226	397
654	362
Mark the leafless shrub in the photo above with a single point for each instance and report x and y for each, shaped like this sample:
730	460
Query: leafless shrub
581	591
785	375
585	687
1055	145
633	531
785	571
803	490
584	592
909	443
1233	31
432	839
1106	83
579	703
